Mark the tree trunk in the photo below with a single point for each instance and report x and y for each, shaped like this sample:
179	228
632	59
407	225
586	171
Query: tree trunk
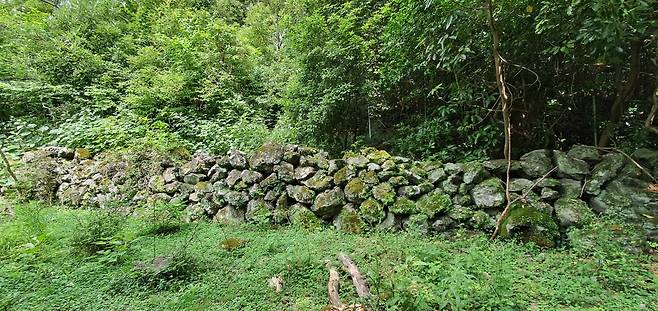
8	165
623	92
504	107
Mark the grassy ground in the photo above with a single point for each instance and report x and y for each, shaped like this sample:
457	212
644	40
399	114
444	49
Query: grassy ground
45	264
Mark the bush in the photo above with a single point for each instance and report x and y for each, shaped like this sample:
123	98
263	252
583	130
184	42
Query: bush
98	234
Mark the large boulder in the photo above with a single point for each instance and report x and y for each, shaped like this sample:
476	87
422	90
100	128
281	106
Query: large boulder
530	225
229	215
302	217
489	193
259	210
349	220
587	153
265	157
328	204
537	163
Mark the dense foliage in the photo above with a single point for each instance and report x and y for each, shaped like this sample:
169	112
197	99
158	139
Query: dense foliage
414	77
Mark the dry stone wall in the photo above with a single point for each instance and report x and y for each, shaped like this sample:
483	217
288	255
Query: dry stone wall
369	190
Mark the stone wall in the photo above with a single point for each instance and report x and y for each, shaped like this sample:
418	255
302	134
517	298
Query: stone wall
370	190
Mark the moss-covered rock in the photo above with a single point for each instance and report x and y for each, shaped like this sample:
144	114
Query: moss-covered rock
403	206
480	220
265	157
369	177
605	171
259	210
251	177
582	152
319	182
434	203
388	224
356	161
571	212
571	188
411	192
82	154
328	204
489	193
301	194
372	211
537	163
384	193
530	225
437	175
157	183
349	221
397	181
229	214
520	185
474	173
343	175
302	217
378	156
570	167
236	198
304	172
356	190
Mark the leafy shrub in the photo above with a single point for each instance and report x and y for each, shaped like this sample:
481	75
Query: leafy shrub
165	218
98	234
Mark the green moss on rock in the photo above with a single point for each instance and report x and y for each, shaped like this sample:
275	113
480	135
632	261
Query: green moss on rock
372	211
530	225
384	193
434	203
356	190
403	206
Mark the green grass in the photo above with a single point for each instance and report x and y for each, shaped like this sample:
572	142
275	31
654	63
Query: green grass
42	268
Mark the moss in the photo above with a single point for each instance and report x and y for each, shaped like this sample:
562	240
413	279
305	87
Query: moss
384	193
343	175
82	154
369	177
434	203
403	206
378	156
349	221
302	217
530	225
356	190
482	221
202	186
372	211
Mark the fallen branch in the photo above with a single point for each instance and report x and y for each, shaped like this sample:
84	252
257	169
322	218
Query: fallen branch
644	170
357	278
333	288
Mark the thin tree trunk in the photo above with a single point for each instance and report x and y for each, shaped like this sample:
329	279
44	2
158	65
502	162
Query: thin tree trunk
619	105
8	165
504	107
648	123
